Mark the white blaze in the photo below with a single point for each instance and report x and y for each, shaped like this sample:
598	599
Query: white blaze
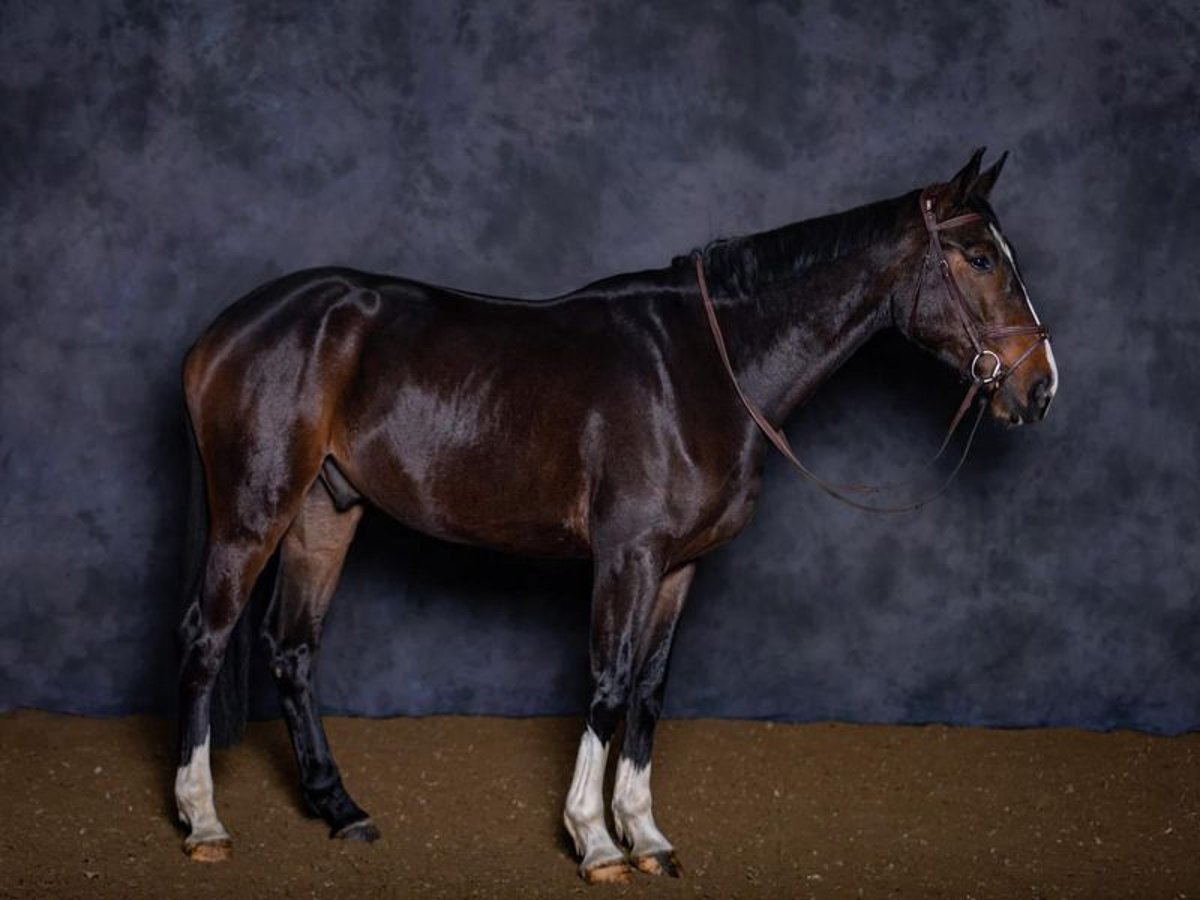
1012	264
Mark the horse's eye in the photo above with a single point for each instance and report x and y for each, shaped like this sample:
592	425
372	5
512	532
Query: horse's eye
980	263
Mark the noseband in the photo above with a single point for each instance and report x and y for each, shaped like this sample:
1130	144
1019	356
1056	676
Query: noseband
988	381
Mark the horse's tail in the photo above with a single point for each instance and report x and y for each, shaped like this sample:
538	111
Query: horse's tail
231	693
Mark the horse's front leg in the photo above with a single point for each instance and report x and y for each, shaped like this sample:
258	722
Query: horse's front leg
650	851
626	584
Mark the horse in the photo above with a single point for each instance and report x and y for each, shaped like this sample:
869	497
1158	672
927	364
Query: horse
625	423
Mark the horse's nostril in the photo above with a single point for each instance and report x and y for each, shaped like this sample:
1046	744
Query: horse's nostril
1040	397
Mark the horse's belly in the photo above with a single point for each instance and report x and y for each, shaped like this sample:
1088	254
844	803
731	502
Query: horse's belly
487	497
498	520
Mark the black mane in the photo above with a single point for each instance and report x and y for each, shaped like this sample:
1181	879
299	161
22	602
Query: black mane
744	265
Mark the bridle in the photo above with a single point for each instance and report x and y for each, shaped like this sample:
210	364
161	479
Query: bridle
989	381
982	382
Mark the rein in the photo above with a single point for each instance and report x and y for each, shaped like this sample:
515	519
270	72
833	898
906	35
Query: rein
980	381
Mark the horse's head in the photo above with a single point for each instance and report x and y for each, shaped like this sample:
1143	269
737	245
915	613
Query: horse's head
970	307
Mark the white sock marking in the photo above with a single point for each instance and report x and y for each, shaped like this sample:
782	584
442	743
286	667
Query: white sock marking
584	812
632	811
194	799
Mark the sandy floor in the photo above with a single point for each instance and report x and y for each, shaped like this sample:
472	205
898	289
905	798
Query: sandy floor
469	807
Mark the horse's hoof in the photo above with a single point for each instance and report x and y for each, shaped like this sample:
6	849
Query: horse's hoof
220	850
609	873
664	862
363	830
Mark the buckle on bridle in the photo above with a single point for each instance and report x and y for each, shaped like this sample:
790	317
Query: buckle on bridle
997	368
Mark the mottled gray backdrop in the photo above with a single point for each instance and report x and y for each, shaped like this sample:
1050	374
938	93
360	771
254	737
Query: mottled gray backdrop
157	160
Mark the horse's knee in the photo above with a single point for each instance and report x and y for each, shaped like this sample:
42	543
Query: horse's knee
609	704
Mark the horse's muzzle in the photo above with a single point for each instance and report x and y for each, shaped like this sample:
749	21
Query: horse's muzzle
1039	398
1010	407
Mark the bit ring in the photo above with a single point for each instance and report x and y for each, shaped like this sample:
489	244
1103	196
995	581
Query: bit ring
997	367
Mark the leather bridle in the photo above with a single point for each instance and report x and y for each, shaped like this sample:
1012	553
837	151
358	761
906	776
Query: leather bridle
992	379
981	381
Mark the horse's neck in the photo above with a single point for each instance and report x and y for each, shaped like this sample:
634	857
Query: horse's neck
788	338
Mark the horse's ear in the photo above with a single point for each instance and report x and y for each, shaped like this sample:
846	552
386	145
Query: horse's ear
987	179
958	188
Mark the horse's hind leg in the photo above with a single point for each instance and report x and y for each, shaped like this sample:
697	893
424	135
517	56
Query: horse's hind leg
231	566
310	560
650	850
257	473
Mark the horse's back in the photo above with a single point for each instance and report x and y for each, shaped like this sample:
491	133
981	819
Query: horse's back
337	324
465	416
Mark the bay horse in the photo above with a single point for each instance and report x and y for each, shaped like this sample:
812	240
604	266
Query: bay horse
602	424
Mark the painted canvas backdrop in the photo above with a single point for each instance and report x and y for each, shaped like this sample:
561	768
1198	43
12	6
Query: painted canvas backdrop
159	160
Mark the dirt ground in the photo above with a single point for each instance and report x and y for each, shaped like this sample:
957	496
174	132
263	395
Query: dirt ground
469	807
